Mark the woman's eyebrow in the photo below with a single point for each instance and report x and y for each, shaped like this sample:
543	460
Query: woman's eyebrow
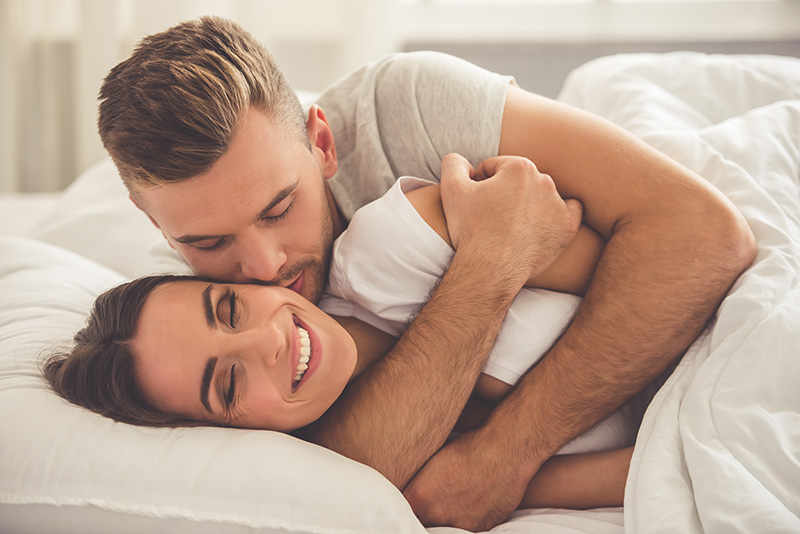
211	318
205	385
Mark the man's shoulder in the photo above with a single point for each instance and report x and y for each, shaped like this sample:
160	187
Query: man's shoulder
396	116
401	69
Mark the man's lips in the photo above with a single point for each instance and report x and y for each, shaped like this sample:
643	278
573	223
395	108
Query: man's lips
297	285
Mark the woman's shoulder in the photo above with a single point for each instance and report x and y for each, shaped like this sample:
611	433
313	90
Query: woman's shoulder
427	200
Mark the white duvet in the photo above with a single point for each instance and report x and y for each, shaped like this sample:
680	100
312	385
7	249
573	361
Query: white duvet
719	448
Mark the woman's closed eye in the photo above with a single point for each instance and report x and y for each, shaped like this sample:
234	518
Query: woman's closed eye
228	308
231	389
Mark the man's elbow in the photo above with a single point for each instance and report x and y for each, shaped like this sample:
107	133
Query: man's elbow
729	241
743	246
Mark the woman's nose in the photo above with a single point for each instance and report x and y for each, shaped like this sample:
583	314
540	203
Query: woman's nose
264	345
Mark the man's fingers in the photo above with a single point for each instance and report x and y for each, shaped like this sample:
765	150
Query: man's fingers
455	166
494	165
575	212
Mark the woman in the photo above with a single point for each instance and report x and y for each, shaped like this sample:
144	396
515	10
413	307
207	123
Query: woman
184	351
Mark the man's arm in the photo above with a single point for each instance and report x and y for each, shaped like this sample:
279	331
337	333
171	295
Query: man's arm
571	272
402	409
675	246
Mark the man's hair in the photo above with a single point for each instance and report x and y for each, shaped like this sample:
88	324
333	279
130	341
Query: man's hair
99	372
170	110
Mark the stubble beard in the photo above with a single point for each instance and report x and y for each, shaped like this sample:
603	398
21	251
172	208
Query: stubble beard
316	268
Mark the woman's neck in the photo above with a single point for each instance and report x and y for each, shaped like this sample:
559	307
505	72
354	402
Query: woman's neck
371	344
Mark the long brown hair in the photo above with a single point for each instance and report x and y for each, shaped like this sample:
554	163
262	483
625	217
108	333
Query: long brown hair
99	372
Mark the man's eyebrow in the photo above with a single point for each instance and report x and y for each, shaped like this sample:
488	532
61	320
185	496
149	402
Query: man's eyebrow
205	385
189	239
264	213
209	308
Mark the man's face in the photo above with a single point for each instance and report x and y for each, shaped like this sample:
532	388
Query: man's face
261	214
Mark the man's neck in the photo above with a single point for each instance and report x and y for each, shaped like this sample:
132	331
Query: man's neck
338	219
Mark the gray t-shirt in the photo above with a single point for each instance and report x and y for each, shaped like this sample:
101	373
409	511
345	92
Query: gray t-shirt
401	114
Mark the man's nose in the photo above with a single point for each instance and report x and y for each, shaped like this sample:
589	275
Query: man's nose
261	259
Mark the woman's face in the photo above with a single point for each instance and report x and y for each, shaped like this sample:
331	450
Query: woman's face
248	356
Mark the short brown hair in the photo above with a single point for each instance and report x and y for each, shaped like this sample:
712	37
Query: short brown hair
99	372
170	110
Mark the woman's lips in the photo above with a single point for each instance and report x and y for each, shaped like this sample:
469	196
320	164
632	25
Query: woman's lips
306	353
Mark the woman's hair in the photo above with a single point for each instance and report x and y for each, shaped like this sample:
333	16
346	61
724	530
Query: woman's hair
99	372
170	110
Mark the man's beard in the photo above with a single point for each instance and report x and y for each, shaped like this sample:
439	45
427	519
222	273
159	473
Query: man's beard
315	270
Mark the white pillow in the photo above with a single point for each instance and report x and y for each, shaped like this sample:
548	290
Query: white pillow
64	469
95	218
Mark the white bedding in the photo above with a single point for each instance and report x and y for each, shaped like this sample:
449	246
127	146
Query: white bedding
719	448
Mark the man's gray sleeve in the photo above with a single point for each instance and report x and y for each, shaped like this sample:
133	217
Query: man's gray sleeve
400	115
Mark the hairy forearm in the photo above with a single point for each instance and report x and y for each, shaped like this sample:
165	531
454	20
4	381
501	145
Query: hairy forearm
655	288
674	247
401	411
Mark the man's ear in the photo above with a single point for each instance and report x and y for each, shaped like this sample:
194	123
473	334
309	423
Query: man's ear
322	143
152	220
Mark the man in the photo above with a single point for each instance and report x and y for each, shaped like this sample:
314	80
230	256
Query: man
212	145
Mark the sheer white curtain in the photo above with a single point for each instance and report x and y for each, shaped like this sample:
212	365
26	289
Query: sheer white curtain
55	53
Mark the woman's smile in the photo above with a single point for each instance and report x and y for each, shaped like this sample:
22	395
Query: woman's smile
303	356
246	355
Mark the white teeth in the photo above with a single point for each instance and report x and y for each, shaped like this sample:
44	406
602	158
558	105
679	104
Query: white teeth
305	354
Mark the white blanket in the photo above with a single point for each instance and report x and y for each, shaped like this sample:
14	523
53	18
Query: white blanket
719	448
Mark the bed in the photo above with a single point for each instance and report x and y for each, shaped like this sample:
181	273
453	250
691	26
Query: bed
718	449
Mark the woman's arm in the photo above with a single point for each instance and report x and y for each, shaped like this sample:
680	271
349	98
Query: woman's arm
580	481
570	273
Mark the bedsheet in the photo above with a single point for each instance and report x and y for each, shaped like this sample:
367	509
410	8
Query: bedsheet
719	447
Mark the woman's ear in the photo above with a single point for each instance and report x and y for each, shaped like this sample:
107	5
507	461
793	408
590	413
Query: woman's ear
322	143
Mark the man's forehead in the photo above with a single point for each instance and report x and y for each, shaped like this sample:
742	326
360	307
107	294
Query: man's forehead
199	206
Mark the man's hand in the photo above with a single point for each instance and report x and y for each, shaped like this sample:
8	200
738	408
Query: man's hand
508	212
457	486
